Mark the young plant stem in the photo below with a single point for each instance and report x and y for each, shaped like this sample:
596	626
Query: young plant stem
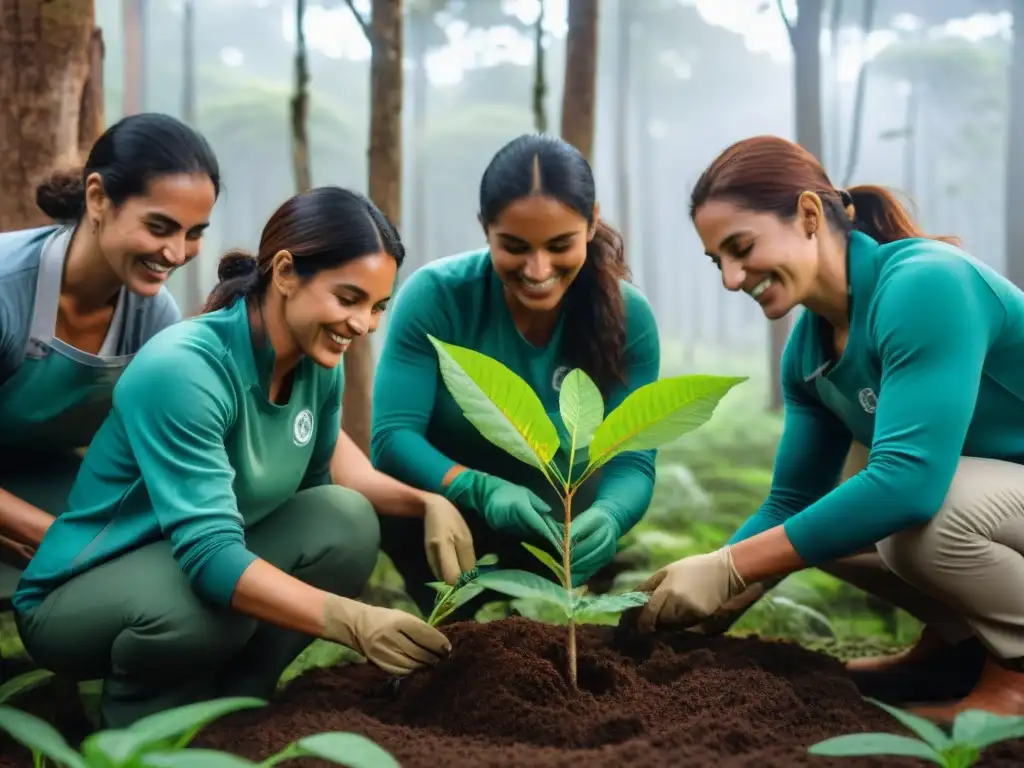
567	567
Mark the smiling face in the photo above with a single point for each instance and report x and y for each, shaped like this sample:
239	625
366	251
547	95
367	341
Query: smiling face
326	311
773	260
538	246
148	236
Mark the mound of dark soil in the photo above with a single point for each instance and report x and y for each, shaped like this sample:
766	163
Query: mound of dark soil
501	700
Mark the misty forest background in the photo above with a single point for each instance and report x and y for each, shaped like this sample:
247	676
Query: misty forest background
924	96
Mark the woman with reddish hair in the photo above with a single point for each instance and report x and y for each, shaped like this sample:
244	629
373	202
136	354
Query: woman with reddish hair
913	352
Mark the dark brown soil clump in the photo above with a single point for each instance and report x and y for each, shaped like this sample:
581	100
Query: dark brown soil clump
502	700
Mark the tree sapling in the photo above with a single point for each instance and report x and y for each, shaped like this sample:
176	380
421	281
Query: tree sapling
508	413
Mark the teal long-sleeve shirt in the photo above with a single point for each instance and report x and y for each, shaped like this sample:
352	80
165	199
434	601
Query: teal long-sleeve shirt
193	452
932	370
419	432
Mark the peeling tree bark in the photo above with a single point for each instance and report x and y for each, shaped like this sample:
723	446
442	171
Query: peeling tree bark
578	96
51	106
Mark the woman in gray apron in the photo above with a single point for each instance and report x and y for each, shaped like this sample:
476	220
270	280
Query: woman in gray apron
78	299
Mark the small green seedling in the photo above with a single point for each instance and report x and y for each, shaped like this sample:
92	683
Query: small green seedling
451	597
973	731
508	413
160	741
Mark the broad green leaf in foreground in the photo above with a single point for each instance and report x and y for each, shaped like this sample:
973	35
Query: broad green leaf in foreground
24	683
928	731
658	413
581	406
857	744
39	736
348	749
192	758
498	403
516	583
183	723
982	729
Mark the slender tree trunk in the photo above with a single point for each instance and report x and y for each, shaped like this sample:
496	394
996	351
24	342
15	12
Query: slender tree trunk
578	95
133	19
623	121
540	86
805	36
47	98
385	174
300	105
194	276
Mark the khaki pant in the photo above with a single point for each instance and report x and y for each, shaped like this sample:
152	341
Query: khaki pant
963	571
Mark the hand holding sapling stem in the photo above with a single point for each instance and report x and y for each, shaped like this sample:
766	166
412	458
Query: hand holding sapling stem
595	539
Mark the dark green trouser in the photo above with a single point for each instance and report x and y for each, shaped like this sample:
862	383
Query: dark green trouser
43	483
136	623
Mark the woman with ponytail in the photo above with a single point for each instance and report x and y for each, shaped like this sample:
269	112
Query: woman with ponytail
221	519
78	298
901	464
548	294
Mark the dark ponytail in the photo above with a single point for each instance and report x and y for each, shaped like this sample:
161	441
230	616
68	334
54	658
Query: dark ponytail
595	319
769	173
238	273
322	228
61	195
880	215
541	164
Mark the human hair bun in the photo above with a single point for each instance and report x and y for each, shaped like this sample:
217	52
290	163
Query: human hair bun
61	195
236	263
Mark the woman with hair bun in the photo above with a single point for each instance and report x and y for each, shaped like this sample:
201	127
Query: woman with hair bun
901	463
548	294
221	519
79	298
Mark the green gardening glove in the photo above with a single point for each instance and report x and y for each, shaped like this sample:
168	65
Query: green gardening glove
595	540
506	507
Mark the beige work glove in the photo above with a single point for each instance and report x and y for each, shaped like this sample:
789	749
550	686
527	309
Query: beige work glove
395	641
690	590
448	541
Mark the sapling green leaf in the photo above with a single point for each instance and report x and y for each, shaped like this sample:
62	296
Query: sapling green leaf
983	729
548	560
511	416
348	749
658	413
499	404
581	407
453	596
40	737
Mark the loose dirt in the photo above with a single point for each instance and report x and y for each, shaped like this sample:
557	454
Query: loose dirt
501	700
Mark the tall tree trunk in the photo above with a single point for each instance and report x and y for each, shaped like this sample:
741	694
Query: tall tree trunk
540	85
623	122
1014	268
805	36
578	97
194	276
133	20
47	98
385	174
300	104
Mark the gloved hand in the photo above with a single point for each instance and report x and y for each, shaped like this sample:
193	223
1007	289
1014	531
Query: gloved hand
394	640
687	591
595	538
449	543
506	507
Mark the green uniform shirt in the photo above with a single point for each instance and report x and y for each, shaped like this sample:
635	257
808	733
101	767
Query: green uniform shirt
419	432
194	452
933	369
